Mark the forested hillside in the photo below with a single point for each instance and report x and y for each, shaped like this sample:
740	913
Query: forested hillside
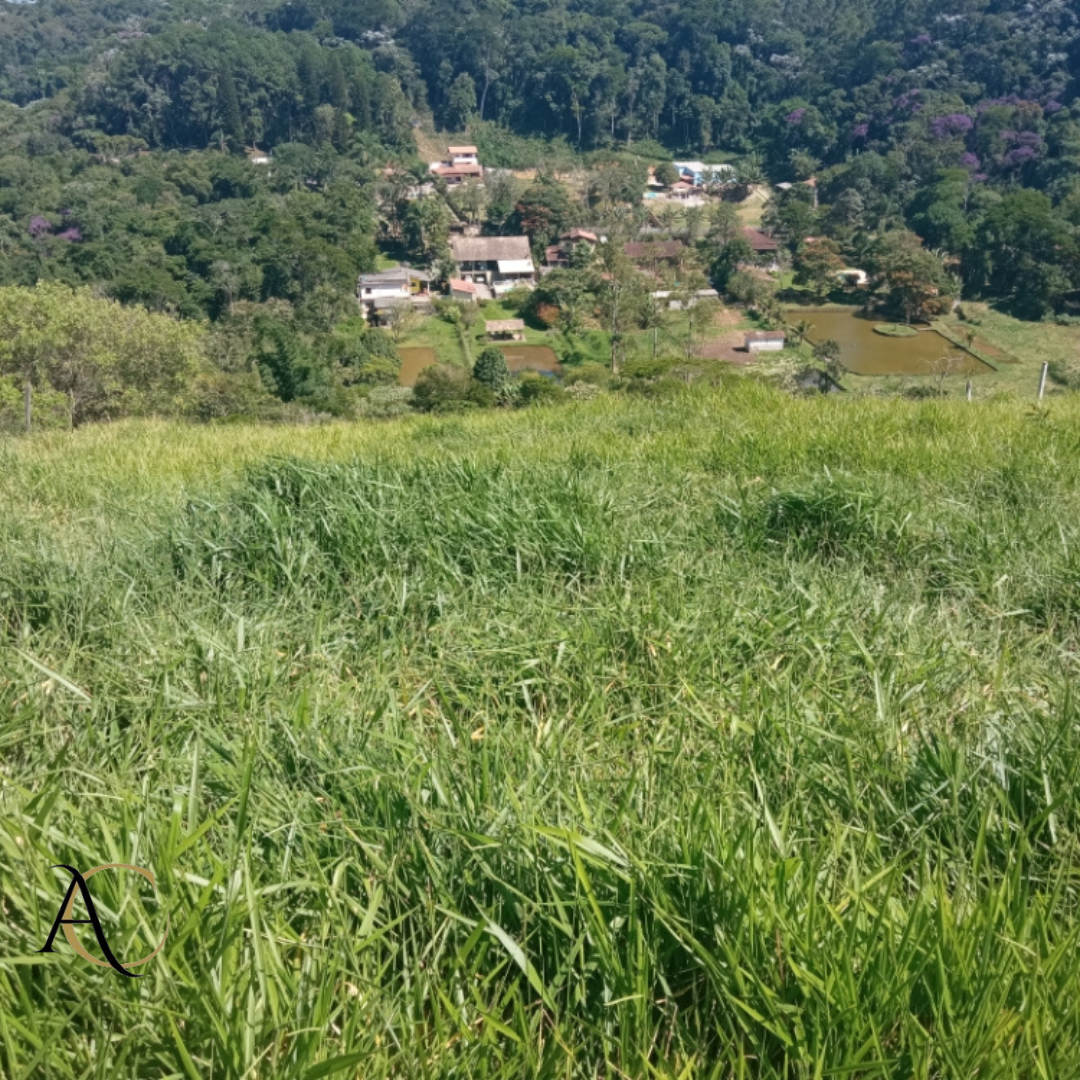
123	128
695	75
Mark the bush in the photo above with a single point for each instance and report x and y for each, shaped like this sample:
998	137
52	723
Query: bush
534	389
385	402
647	368
588	374
445	389
51	410
217	395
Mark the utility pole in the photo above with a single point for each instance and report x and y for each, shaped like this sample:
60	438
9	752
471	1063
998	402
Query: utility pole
28	402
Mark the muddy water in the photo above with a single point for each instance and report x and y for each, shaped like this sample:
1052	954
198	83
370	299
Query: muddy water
542	358
866	353
414	359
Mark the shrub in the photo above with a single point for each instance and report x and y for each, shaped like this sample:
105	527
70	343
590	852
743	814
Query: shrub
534	389
588	373
445	389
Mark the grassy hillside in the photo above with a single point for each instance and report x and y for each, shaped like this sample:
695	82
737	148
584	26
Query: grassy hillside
725	735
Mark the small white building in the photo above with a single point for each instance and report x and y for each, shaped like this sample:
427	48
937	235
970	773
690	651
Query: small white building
765	341
853	278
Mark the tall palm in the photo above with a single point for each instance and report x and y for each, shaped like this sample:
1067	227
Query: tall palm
800	331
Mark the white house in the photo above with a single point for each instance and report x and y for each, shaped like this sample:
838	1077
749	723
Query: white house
385	288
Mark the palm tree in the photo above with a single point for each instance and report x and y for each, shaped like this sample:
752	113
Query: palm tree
799	331
750	171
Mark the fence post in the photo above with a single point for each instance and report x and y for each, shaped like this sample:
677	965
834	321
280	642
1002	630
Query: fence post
969	389
28	402
1042	379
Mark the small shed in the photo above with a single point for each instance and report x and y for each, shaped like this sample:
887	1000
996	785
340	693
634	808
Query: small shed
505	329
462	290
765	341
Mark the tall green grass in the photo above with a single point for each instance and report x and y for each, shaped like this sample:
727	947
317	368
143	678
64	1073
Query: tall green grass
721	736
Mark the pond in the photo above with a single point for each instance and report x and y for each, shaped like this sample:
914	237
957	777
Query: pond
864	352
541	358
414	359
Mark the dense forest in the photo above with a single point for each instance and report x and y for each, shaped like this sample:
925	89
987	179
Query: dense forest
123	126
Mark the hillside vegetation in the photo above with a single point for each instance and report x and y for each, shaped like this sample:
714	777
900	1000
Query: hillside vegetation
727	735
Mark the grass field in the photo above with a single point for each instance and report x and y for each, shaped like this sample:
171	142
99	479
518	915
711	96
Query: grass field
716	735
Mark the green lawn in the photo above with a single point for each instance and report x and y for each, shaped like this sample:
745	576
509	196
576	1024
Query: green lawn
717	734
441	336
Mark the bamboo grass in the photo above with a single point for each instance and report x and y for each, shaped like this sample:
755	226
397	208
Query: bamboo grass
723	735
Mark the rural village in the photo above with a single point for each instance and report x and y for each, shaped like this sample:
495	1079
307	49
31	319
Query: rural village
622	264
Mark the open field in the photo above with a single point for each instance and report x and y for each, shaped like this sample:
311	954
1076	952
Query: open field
716	735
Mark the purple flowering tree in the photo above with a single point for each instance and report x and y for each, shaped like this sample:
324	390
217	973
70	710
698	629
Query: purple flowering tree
949	127
39	227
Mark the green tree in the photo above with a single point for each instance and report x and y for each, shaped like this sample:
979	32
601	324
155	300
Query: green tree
816	266
491	370
461	101
621	292
543	210
667	174
913	280
108	360
231	119
727	259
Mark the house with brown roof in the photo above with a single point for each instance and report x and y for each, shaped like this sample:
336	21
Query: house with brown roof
649	254
499	262
766	250
453	175
463	155
505	329
557	255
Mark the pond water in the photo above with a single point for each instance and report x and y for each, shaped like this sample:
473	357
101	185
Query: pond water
414	359
865	353
541	358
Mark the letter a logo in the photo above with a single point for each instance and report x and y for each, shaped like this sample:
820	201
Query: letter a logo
64	919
